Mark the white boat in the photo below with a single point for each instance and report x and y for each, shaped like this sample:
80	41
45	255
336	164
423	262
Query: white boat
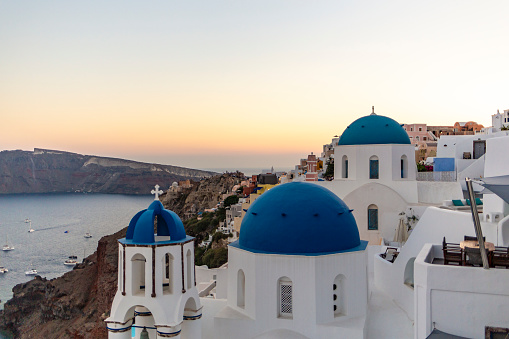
3	269
30	230
27	220
88	235
72	261
31	271
6	247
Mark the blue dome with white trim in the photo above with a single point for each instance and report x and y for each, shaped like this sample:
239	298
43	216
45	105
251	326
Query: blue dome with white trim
298	218
374	129
141	227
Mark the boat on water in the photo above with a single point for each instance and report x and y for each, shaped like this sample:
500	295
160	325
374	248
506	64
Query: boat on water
30	230
31	271
72	261
6	247
3	269
88	235
27	220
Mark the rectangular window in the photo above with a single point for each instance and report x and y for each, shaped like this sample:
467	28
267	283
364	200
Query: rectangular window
373	169
346	168
420	129
402	168
372	219
285	294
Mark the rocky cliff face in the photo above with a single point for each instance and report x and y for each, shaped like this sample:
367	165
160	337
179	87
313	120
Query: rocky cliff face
75	304
203	195
72	306
46	171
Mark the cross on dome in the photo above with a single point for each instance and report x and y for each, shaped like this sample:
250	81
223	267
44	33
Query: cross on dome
157	192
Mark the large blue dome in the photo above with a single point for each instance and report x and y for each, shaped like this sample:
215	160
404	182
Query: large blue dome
374	129
141	227
298	218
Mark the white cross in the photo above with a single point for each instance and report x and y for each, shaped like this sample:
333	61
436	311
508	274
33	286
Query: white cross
156	192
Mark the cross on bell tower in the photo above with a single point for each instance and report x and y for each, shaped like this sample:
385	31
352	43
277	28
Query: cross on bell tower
156	192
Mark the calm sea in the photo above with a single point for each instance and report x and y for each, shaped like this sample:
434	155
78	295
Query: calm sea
60	222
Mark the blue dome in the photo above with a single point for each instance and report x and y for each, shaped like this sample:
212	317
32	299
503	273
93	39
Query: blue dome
141	227
298	218
374	129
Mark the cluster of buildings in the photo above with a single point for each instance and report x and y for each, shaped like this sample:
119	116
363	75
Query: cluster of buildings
358	256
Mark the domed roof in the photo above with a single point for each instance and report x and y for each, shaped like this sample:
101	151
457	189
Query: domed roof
298	218
141	227
374	129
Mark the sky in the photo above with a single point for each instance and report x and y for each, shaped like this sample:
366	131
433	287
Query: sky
239	84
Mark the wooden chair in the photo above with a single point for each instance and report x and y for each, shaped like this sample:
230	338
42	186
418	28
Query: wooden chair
452	253
474	238
391	253
473	256
500	257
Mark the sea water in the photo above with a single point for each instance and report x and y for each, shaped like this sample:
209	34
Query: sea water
60	222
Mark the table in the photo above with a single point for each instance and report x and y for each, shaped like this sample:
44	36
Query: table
474	244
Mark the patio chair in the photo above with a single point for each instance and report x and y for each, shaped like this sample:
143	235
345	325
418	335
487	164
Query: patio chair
452	253
391	253
500	257
474	238
473	256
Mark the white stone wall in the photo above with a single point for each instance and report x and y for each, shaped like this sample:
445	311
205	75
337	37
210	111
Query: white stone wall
389	158
312	279
458	300
433	225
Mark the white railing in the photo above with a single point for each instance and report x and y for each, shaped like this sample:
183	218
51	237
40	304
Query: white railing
447	176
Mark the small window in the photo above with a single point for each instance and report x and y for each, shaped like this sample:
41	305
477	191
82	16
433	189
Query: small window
417	138
344	173
373	167
285	298
189	269
420	129
372	217
241	289
404	167
411	129
339	296
424	138
168	273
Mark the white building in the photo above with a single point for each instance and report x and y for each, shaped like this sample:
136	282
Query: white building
156	279
500	120
299	270
375	174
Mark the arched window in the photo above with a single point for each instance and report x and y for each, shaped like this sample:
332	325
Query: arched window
167	273
241	289
409	273
285	297
373	167
344	169
339	295
372	217
138	262
404	166
189	269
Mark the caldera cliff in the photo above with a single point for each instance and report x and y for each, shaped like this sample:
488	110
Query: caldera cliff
49	171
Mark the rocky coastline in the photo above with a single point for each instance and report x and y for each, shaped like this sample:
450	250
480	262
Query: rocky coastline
75	304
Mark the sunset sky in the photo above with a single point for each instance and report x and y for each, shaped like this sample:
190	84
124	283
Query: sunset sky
225	84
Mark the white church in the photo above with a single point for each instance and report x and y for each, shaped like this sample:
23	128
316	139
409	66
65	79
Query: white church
301	270
298	270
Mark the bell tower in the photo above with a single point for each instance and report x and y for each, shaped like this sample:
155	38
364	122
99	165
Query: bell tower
156	293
